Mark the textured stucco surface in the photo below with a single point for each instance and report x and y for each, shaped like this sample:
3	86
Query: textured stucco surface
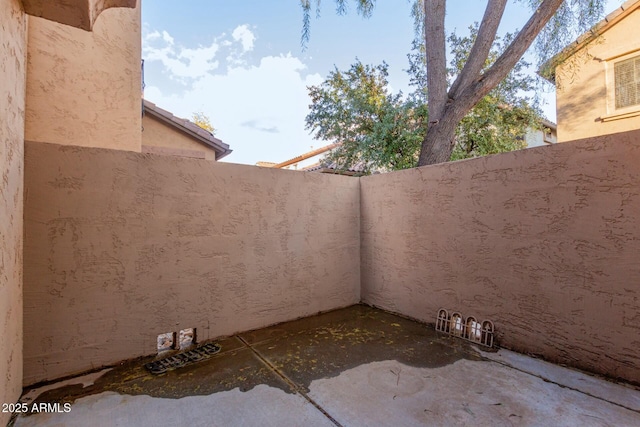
585	82
77	13
12	100
84	88
158	134
121	246
544	242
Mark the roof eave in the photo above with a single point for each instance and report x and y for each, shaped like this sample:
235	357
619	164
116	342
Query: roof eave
221	149
548	70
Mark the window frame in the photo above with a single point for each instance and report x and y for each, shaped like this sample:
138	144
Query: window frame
612	111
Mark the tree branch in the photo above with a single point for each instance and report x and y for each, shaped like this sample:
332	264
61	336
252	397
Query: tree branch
505	63
481	47
434	13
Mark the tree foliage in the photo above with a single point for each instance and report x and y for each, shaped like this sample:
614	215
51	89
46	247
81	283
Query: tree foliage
203	121
556	21
385	130
354	108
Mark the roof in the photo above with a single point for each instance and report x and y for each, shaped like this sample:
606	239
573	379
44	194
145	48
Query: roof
203	136
266	164
333	167
304	156
549	124
322	166
548	69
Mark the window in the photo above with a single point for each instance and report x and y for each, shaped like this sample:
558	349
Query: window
627	82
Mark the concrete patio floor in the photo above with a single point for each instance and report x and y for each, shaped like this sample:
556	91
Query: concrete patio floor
357	366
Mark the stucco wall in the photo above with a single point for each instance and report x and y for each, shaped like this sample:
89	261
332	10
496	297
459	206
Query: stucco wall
582	92
12	96
544	242
121	247
84	88
158	134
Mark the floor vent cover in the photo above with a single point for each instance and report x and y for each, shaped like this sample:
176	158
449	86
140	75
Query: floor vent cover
468	328
169	363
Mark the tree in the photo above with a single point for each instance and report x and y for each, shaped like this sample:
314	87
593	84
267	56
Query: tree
449	104
355	109
203	121
498	122
385	130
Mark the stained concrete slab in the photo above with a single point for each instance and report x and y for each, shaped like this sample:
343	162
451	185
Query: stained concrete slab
324	346
465	393
350	367
619	393
82	380
261	406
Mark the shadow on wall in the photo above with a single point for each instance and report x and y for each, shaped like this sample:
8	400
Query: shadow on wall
582	110
543	242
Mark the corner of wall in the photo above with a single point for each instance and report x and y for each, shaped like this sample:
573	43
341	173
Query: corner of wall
12	89
361	273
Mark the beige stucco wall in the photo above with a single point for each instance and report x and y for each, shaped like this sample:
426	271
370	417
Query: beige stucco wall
582	91
121	246
12	99
77	13
544	242
84	88
157	134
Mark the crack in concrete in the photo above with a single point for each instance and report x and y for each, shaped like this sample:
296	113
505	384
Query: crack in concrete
286	379
586	393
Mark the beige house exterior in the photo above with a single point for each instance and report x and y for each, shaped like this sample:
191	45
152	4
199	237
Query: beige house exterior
83	88
597	78
42	97
164	133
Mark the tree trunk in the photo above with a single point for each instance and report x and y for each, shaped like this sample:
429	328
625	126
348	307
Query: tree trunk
438	144
446	111
440	140
482	46
436	61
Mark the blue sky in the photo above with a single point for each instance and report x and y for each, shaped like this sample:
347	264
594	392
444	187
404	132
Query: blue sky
241	63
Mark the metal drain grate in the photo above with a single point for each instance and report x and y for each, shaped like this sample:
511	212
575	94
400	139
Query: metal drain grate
470	329
179	360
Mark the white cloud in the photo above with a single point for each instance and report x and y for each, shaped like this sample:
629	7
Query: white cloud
259	110
153	36
167	37
180	62
243	34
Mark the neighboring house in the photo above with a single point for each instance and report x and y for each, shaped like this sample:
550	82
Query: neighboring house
597	78
302	161
541	137
313	161
83	88
164	133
